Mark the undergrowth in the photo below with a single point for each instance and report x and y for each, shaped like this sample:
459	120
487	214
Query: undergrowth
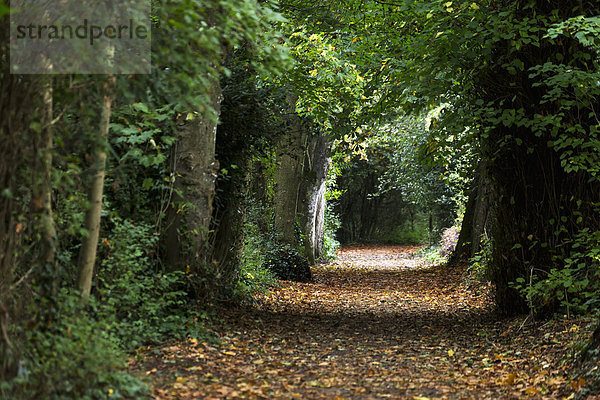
77	349
254	276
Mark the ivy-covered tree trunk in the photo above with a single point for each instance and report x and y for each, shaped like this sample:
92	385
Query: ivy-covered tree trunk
312	210
42	187
26	146
288	175
227	237
194	169
258	187
540	208
16	111
227	228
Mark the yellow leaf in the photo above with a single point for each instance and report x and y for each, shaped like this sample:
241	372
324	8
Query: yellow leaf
420	398
510	379
474	6
230	353
532	390
450	352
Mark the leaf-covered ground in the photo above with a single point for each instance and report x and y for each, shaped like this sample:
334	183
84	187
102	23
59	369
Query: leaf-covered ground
379	323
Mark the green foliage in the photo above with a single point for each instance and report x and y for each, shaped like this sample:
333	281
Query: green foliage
76	353
519	80
71	355
140	132
331	225
190	37
406	234
573	288
264	259
255	277
330	88
414	161
479	263
145	303
332	221
568	283
431	254
140	184
401	185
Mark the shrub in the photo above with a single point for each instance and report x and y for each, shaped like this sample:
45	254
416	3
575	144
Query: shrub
145	303
571	285
287	263
430	254
71	355
254	276
478	263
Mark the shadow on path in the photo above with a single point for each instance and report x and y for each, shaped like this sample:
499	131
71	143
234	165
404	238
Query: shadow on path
376	324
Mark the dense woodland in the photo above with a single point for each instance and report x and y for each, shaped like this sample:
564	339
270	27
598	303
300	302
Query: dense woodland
267	134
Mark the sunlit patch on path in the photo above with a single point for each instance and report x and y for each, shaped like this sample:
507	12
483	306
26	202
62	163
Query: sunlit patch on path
379	323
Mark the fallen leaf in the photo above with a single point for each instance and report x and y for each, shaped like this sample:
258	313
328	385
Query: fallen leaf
509	379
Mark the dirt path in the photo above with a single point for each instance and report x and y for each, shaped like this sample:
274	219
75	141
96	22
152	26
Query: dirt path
376	324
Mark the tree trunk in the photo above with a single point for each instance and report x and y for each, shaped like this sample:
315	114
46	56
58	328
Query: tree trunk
288	175
42	188
530	186
227	227
464	245
476	219
481	211
17	108
194	169
313	195
431	240
45	189
87	253
258	182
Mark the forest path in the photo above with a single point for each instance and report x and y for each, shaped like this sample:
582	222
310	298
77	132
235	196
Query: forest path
379	323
